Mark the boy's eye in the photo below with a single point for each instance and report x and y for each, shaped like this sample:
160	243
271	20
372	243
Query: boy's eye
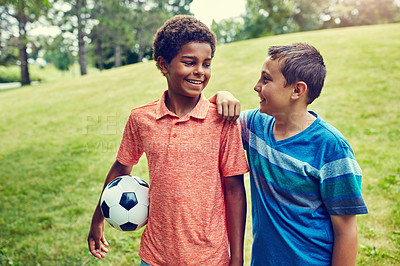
189	63
265	79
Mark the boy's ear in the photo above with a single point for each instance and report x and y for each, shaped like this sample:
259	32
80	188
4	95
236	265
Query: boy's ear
300	89
162	65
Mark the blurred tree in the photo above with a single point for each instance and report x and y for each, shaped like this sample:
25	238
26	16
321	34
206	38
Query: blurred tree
8	45
268	17
76	21
147	23
342	13
175	7
9	51
149	16
114	20
228	30
127	27
307	15
19	14
99	33
58	53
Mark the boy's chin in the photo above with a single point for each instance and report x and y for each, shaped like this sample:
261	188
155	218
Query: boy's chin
262	110
193	93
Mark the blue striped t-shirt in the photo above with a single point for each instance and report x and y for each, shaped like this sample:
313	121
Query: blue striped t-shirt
296	184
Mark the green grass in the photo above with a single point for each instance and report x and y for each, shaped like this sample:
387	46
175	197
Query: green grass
58	140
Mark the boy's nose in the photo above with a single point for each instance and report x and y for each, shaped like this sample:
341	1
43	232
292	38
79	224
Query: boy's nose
199	70
257	88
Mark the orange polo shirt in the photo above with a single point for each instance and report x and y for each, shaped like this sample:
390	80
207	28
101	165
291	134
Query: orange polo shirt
187	159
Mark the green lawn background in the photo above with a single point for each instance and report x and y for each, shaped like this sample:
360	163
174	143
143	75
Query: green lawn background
58	140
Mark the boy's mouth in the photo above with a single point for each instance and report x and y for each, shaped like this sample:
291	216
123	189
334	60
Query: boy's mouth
196	82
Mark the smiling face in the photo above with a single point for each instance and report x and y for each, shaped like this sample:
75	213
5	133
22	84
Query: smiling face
189	71
272	90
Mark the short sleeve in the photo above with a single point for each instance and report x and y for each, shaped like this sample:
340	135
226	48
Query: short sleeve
246	120
131	148
232	157
341	184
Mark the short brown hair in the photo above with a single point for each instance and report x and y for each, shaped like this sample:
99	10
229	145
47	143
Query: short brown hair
301	62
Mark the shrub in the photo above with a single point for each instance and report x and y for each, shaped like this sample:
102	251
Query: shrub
9	74
13	74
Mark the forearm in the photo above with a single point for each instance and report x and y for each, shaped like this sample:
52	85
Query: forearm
96	240
345	240
116	170
97	217
236	208
345	250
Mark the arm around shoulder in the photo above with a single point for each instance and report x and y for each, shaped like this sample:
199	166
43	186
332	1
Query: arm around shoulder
228	106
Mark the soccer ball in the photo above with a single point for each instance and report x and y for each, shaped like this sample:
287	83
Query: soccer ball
125	203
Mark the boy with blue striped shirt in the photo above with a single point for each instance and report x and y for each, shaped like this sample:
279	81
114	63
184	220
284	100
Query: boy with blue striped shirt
305	181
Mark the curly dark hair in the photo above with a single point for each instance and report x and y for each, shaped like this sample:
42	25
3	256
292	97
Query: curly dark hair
178	31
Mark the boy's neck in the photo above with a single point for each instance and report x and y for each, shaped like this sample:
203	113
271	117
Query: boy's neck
292	124
181	105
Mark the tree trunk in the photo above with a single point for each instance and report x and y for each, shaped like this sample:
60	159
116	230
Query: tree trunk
81	52
23	55
81	42
99	53
117	56
140	55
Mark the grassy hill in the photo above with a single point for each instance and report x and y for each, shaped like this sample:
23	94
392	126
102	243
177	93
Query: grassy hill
58	141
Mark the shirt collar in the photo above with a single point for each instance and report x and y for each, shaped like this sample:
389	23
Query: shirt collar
199	111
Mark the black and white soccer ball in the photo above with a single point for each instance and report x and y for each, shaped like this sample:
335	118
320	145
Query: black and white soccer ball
125	203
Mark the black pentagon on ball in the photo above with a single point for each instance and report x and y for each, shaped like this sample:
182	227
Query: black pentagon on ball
128	200
128	226
105	210
114	182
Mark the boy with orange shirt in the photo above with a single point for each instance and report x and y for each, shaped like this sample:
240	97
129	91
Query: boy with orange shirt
196	161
